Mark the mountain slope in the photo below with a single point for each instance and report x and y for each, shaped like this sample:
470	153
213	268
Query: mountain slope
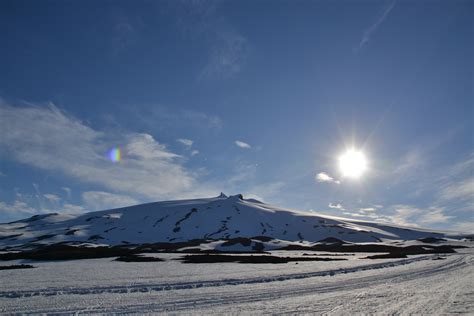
216	218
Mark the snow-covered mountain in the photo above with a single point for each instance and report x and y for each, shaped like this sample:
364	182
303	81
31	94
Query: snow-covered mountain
219	218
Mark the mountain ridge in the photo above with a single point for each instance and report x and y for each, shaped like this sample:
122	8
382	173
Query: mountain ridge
218	218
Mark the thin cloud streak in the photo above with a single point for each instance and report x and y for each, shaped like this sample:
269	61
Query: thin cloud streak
373	28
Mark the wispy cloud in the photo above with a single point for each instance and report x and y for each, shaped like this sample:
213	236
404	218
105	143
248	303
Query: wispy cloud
242	144
195	17
456	187
163	118
185	141
17	208
202	120
228	54
228	48
324	177
99	200
47	138
378	21
337	206
125	32
51	197
434	215
465	227
409	215
67	191
26	205
264	191
188	143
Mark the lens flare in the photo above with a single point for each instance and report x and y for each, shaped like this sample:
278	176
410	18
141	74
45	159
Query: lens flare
115	154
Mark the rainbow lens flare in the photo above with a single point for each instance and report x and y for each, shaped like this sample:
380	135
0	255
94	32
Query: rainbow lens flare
115	154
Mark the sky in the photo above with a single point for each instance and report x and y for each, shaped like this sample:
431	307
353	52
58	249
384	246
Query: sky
251	97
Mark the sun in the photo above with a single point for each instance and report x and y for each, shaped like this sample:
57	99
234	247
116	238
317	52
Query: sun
352	164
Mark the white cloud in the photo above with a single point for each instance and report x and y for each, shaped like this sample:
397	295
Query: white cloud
194	152
242	144
463	190
403	214
324	177
455	189
336	206
145	147
51	197
367	210
17	208
98	200
185	141
354	214
434	215
408	215
72	208
48	139
21	208
465	227
379	20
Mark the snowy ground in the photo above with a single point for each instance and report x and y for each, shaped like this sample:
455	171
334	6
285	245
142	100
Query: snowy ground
414	285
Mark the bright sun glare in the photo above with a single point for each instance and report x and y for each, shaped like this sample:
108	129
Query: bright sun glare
352	163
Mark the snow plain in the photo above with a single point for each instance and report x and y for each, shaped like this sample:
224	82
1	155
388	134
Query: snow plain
418	285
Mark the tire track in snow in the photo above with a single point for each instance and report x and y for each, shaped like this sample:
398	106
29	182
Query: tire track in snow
245	295
144	288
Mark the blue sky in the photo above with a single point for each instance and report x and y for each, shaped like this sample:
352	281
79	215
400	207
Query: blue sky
252	97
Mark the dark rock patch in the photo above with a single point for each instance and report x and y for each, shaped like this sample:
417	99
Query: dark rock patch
66	252
387	256
331	240
262	238
160	220
137	258
344	247
216	258
107	230
17	266
246	242
10	236
431	240
44	237
95	237
258	247
193	210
